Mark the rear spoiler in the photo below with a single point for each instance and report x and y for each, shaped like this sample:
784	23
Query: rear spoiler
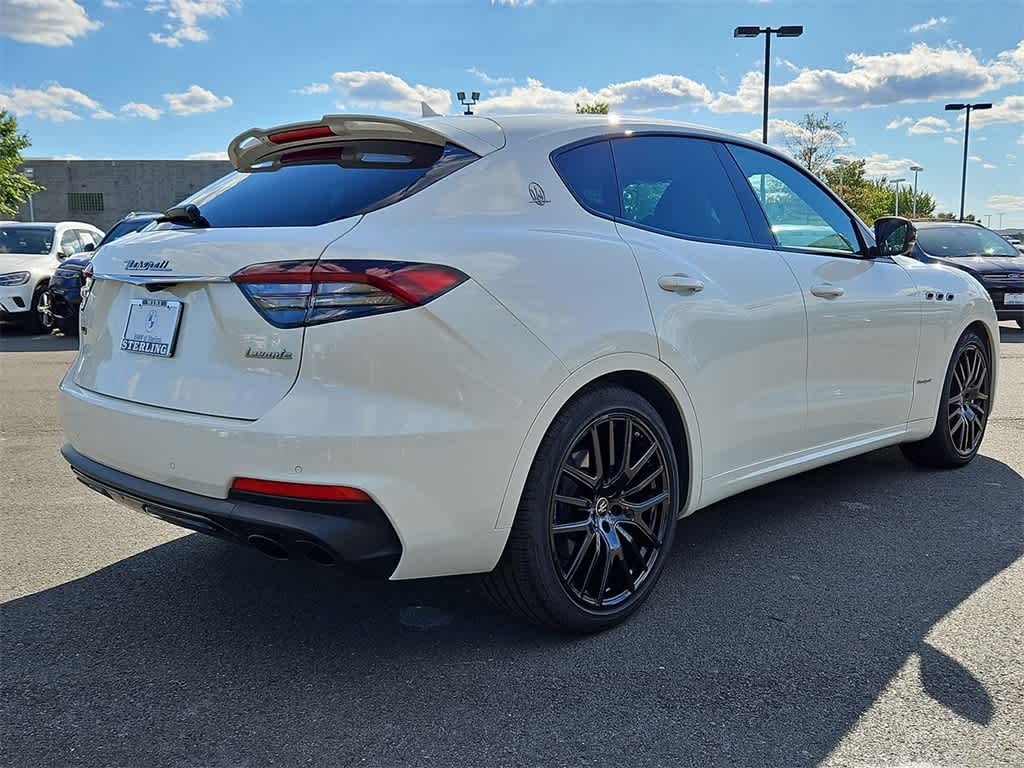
260	145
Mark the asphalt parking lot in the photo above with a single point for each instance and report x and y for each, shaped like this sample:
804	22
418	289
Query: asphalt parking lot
865	614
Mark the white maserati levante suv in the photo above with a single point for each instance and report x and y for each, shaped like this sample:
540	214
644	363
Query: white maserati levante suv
522	347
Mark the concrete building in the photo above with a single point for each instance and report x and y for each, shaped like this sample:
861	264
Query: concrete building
102	191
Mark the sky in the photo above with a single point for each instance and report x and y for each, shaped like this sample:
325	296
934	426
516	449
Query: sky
137	79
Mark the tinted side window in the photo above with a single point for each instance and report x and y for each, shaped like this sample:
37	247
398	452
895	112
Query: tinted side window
587	172
678	185
800	213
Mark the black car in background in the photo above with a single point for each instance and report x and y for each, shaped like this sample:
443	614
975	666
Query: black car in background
990	258
65	290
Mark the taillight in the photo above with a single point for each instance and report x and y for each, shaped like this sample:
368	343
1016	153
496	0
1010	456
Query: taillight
301	134
290	294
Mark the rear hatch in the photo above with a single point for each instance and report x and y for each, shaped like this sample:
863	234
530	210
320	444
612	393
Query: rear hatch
163	323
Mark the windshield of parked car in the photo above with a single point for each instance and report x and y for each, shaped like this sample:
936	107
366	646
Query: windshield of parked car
123	228
33	241
962	241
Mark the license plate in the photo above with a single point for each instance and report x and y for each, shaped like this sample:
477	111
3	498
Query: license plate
152	327
1013	298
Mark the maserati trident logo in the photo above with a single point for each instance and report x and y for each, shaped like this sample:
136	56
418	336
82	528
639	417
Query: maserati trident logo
147	266
262	354
537	193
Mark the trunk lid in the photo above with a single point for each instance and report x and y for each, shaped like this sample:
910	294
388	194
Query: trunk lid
226	359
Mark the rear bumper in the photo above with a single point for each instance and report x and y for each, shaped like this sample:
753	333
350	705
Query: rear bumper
355	534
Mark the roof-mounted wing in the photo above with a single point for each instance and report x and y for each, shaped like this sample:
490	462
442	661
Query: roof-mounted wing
261	145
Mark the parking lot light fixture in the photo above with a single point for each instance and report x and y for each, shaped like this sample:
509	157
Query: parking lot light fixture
789	31
916	169
897	183
967	132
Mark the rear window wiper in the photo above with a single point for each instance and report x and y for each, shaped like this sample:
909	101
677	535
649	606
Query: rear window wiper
185	214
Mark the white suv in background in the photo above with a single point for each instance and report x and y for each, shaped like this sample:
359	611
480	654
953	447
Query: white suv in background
522	346
29	254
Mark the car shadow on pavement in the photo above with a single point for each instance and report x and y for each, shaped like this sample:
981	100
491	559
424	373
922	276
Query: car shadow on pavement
781	616
15	339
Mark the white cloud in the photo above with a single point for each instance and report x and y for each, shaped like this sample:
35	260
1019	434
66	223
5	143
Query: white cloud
950	140
138	109
921	74
196	100
52	102
314	89
389	92
645	94
115	4
1006	202
880	164
513	3
899	123
1010	156
483	77
932	23
1020	139
989	166
929	125
779	131
45	22
183	17
208	156
974	158
1009	110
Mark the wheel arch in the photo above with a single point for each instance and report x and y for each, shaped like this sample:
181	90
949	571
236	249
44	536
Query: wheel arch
990	335
645	375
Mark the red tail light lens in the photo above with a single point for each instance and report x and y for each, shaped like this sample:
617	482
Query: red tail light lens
290	294
298	490
301	134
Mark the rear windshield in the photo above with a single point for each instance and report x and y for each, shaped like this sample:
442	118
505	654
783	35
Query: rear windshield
35	241
957	242
326	183
125	227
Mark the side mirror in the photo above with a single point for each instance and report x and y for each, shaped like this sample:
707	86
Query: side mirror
894	236
90	247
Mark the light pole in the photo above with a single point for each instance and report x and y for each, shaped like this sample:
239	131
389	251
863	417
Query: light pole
841	164
897	183
967	133
989	217
767	32
1001	220
916	169
30	174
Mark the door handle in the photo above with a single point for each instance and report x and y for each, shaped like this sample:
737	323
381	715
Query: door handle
827	291
680	284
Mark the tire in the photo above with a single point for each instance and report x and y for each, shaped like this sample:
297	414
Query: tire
38	321
959	426
612	541
68	326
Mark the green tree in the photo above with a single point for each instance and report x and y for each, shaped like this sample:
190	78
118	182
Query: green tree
14	187
597	108
817	141
871	198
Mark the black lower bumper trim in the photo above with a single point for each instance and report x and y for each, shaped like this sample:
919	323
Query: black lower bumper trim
353	533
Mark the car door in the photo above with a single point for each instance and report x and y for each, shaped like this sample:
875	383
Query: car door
727	311
863	313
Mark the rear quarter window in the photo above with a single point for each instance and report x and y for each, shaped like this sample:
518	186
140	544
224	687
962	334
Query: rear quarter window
587	172
315	186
